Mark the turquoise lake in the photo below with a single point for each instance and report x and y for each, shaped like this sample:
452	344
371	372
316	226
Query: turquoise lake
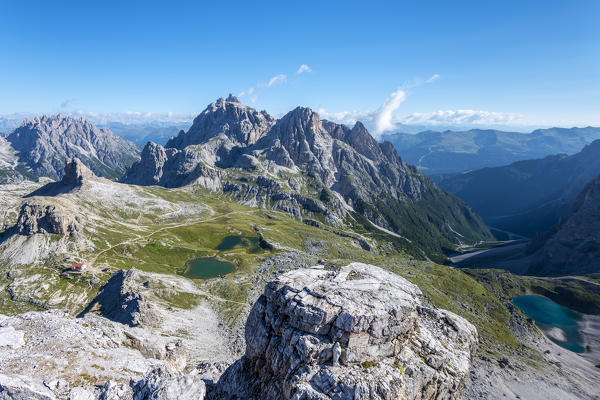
547	314
208	267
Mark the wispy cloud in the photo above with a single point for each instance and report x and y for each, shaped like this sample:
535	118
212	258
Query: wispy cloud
67	103
303	68
277	79
383	118
461	117
386	118
433	78
377	121
346	117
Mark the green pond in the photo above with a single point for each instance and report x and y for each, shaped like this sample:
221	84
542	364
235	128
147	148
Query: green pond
208	267
230	242
548	315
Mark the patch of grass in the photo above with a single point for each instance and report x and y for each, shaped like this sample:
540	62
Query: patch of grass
184	300
368	364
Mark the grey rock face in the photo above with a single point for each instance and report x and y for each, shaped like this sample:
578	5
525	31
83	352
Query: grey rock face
241	124
173	168
9	164
391	345
75	172
46	218
45	142
119	301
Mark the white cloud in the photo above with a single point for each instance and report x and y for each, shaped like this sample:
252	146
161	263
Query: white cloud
277	79
383	118
378	121
386	118
433	78
249	93
303	68
346	117
460	117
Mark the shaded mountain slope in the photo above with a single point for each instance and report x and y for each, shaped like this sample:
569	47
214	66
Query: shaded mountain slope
528	196
573	245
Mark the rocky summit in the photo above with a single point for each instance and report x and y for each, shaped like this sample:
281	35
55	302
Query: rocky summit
44	143
356	333
310	169
241	124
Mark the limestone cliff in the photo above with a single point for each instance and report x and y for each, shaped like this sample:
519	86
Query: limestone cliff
358	333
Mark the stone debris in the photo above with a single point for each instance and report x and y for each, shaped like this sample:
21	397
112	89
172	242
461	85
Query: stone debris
11	338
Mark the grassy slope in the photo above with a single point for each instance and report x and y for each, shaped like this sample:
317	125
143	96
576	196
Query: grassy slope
155	240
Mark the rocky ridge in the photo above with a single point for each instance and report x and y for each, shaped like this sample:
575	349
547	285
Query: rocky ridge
357	333
45	142
309	168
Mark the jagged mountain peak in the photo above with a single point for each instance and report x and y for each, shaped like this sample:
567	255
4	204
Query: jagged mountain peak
285	159
232	99
54	124
45	142
242	124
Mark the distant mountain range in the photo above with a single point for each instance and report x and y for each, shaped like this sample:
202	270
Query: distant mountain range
317	170
39	147
140	134
527	196
451	151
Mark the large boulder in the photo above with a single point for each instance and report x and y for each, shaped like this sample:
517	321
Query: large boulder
357	333
38	217
120	300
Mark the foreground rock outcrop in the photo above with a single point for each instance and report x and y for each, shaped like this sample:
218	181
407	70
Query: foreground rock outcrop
358	333
52	355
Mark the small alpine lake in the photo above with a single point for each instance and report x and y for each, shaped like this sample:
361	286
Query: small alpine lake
207	267
251	244
559	324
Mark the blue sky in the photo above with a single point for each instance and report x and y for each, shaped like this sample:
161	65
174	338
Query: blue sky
489	62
